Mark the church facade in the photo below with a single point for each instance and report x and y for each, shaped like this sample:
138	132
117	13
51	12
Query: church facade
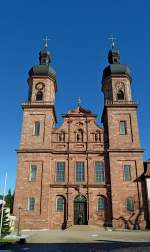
80	173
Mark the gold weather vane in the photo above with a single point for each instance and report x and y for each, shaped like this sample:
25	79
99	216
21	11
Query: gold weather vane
46	39
79	101
112	38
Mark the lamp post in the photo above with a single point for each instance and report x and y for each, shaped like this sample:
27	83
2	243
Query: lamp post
18	228
3	204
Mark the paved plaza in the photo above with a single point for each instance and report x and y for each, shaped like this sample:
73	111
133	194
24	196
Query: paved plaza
84	241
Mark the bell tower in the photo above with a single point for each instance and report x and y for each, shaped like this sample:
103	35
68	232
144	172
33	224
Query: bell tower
123	153
119	108
34	153
42	80
118	87
39	111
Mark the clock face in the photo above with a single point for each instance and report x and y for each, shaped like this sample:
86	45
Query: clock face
39	86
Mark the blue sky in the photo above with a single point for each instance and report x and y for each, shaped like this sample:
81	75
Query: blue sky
79	31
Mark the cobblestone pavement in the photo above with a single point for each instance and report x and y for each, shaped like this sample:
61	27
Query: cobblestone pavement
84	241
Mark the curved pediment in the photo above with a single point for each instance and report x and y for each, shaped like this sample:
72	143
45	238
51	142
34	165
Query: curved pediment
79	111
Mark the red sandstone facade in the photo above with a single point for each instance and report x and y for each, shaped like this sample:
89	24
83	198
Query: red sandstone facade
100	191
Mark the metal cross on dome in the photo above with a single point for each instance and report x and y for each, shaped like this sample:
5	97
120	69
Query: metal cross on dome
46	39
112	38
79	101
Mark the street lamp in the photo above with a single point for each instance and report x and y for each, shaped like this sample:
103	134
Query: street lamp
18	228
2	208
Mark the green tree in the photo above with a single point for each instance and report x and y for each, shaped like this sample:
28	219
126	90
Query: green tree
5	222
9	198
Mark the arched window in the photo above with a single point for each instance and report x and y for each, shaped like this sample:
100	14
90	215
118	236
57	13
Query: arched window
60	204
39	96
100	204
120	95
62	136
37	128
97	137
31	203
79	136
130	204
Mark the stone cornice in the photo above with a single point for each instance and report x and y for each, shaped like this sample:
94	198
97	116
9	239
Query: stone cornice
39	105
57	152
125	150
118	76
116	104
65	185
77	152
79	115
109	103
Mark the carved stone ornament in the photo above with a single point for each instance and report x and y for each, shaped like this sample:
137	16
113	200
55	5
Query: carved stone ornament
40	86
119	86
79	123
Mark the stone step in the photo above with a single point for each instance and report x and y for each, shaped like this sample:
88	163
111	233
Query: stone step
85	228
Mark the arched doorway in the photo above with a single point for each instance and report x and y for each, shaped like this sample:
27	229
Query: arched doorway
80	210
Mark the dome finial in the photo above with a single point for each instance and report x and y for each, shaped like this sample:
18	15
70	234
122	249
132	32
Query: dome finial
44	55
114	54
46	39
112	38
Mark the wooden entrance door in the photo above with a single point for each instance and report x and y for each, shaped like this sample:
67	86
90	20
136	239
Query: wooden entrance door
80	210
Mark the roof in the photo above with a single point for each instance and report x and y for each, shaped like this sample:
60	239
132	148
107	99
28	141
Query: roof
79	111
42	70
116	69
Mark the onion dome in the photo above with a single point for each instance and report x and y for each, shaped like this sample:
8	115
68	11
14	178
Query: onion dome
115	67
44	68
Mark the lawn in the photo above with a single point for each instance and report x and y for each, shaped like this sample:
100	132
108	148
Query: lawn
7	240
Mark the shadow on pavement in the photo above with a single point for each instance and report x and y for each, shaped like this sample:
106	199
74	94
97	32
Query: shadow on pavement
98	246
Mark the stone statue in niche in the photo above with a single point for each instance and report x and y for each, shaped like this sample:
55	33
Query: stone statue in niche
79	136
97	137
62	137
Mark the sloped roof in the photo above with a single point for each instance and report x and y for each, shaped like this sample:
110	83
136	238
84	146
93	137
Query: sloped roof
79	111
